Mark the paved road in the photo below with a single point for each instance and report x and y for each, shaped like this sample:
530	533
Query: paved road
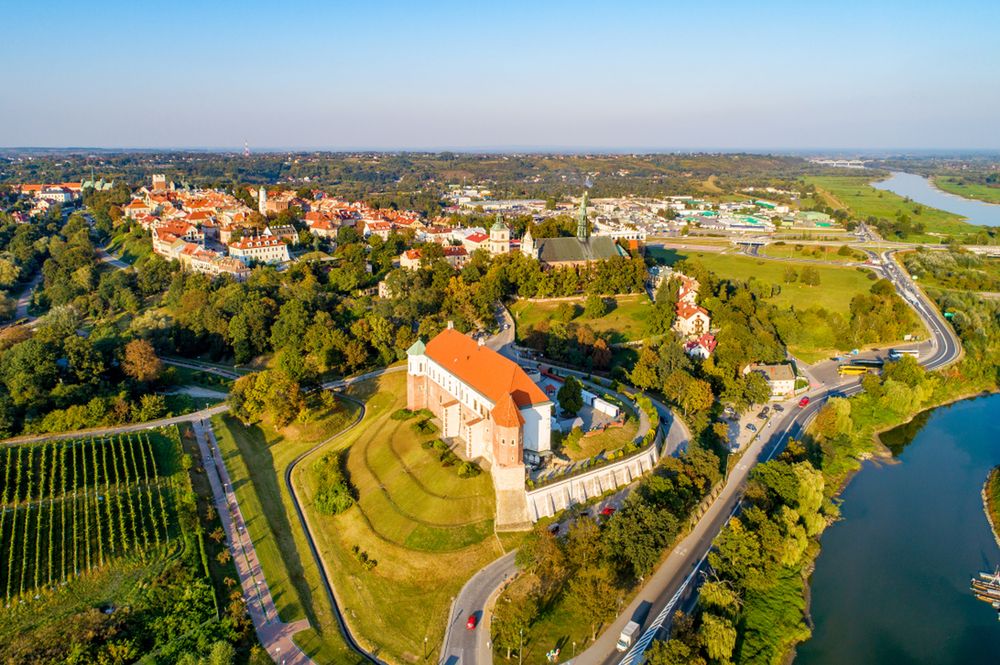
224	372
274	635
121	429
105	257
24	299
472	646
676	580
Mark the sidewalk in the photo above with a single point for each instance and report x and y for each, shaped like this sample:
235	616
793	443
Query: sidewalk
274	635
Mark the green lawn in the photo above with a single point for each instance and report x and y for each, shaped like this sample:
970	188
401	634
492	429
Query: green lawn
837	284
793	250
428	529
130	248
968	190
626	322
855	194
256	458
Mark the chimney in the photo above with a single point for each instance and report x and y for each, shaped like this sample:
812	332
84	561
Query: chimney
451	325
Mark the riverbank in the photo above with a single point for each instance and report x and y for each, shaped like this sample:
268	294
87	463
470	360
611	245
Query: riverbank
991	501
973	192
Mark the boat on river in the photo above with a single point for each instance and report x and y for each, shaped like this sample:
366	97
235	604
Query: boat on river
986	588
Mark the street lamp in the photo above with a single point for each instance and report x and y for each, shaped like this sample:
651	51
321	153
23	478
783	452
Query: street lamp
574	648
520	647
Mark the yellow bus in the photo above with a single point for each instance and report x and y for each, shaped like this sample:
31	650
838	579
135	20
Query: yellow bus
854	370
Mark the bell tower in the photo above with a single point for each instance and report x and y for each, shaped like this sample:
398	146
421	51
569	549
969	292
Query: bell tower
582	225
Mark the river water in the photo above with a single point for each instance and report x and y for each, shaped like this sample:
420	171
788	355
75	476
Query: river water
891	584
922	191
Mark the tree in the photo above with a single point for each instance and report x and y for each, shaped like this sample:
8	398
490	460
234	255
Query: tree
570	395
595	307
672	652
810	276
636	535
513	615
141	362
150	407
790	275
718	635
584	545
644	373
592	592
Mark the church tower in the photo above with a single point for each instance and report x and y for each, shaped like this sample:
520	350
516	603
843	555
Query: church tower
528	244
582	225
499	237
262	201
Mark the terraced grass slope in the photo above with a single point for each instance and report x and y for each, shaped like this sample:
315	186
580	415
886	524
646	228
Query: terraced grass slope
427	529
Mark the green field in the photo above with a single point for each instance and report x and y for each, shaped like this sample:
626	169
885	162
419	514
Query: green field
968	190
793	250
256	458
856	195
837	284
131	247
428	529
626	322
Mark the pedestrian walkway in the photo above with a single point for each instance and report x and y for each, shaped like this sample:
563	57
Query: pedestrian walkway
274	635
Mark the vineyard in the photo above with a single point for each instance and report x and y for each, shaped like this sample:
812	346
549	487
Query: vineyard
69	507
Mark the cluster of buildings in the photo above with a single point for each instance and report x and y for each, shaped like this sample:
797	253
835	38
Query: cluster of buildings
46	195
692	322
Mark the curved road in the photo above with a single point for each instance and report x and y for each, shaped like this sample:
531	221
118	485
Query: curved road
676	579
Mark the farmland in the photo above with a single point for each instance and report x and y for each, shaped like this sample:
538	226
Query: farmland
108	535
74	506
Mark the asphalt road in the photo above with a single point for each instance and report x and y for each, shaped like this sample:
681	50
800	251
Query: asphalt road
676	580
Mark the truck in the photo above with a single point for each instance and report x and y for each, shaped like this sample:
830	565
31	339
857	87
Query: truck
627	638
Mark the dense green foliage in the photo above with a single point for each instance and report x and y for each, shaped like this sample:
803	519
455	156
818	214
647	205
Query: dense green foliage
333	494
599	561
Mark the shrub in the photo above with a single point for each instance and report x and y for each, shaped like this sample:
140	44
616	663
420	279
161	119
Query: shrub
402	414
333	493
469	470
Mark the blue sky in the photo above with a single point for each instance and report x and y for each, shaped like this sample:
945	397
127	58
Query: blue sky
542	74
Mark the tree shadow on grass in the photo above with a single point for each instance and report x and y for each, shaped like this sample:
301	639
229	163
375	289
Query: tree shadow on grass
268	481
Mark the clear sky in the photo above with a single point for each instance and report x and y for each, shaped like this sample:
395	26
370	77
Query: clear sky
539	74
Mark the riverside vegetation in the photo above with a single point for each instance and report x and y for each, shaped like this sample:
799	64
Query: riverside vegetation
754	609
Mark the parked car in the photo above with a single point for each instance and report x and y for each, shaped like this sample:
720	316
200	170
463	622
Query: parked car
779	409
470	624
554	529
764	413
804	402
608	511
751	427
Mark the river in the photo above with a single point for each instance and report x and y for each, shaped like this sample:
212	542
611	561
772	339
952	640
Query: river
891	584
922	191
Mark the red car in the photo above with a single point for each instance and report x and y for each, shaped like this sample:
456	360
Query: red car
608	511
471	623
804	402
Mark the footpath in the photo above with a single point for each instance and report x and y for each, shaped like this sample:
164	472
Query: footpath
274	635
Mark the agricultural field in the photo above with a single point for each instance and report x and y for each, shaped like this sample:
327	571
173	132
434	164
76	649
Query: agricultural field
416	533
855	194
107	535
626	322
969	190
75	506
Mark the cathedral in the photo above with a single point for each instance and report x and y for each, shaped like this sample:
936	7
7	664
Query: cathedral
580	250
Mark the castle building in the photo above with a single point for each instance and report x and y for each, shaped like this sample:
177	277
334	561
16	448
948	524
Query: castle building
483	400
499	238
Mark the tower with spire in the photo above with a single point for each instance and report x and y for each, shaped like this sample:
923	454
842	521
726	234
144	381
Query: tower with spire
499	237
582	225
528	244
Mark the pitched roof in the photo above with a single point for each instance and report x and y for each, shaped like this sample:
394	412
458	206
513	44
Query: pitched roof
506	414
598	248
485	370
686	310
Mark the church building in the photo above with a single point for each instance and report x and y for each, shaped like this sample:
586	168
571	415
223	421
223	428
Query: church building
580	250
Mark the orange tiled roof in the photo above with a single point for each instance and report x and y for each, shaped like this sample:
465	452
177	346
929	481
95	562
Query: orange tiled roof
686	310
485	370
506	414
